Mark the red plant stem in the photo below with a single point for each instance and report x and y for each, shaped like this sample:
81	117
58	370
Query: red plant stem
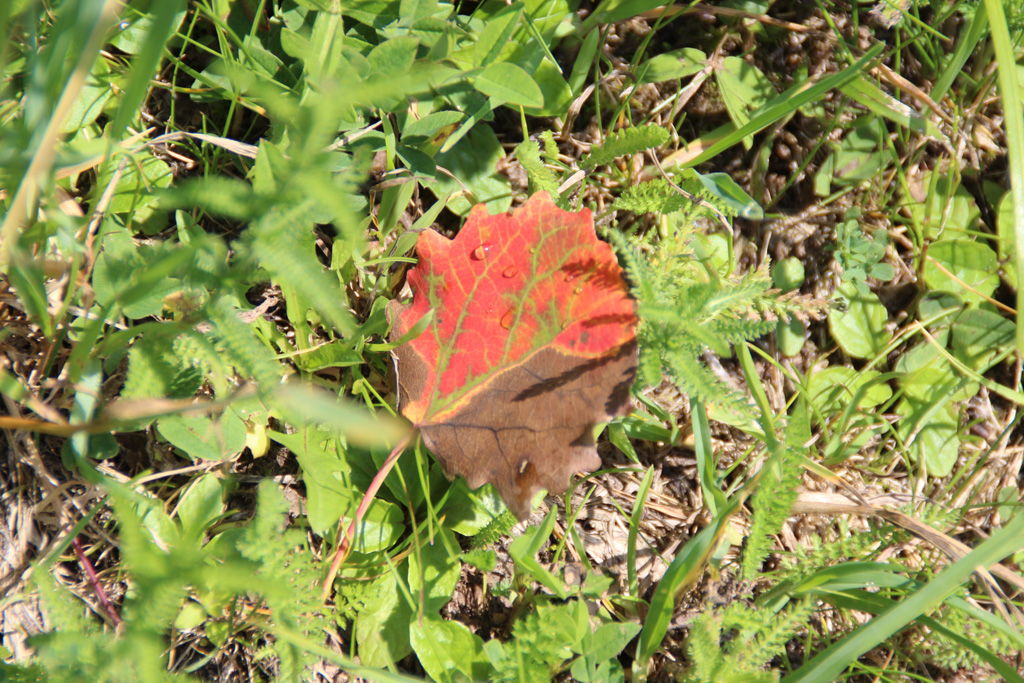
95	581
344	544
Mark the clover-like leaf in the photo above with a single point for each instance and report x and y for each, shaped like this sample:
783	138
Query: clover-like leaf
532	342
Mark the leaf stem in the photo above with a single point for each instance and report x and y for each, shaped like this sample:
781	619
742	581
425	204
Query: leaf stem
344	543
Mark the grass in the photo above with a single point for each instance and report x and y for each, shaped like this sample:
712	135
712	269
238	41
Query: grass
208	205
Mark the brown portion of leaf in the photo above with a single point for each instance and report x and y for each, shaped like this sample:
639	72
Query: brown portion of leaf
531	427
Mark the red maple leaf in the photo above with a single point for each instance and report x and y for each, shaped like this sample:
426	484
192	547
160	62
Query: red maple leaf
532	342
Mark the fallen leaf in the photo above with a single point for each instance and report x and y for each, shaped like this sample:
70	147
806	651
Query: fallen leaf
532	343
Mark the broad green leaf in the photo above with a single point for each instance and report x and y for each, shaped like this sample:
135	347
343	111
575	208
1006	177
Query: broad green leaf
945	209
788	274
394	56
611	639
937	380
743	88
417	131
433	572
91	98
555	92
329	495
380	529
1007	238
980	336
137	30
929	422
860	329
472	160
448	651
584	62
936	443
135	192
672	65
509	83
191	616
496	33
202	437
201	505
468	512
832	389
790	337
524	549
964	267
381	630
261	60
723	187
855	160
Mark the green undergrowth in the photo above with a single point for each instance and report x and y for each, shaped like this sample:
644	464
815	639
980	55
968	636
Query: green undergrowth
208	205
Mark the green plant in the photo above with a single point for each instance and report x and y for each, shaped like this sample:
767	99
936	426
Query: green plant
860	256
206	206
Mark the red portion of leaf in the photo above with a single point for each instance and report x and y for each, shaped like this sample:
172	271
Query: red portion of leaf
532	342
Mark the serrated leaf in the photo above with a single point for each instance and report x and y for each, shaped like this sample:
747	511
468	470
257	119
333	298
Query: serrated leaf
532	342
625	141
157	370
542	178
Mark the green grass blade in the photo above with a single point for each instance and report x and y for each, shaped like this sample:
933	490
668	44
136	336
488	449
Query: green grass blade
714	498
610	11
965	47
1012	107
778	108
96	17
828	665
885	105
145	63
634	530
685	569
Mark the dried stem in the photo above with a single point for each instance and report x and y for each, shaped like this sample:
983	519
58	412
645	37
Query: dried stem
95	581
